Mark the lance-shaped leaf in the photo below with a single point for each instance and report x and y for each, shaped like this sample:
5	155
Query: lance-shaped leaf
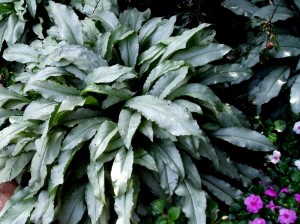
167	152
226	166
201	55
92	6
105	134
46	73
39	110
10	132
14	166
44	209
134	18
240	7
4	114
148	28
181	41
192	198
166	114
3	26
69	26
167	178
108	20
146	128
14	30
82	57
53	90
73	207
169	81
271	85
21	53
128	124
163	30
271	13
110	74
233	73
251	173
246	138
58	171
121	171
129	49
8	94
48	147
190	106
295	96
31	4
221	189
108	90
124	204
289	46
159	70
200	93
231	117
83	132
19	212
94	205
143	158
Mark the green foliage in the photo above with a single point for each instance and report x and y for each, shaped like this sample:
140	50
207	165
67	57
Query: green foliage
110	105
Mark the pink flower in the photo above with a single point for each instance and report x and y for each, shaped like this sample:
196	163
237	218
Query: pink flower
272	206
297	197
275	157
270	192
296	127
284	190
253	203
258	221
287	216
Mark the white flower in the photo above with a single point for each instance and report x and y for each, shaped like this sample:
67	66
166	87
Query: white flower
296	127
275	157
297	163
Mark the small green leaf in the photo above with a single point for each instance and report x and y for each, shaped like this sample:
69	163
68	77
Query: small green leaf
157	207
279	125
173	213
